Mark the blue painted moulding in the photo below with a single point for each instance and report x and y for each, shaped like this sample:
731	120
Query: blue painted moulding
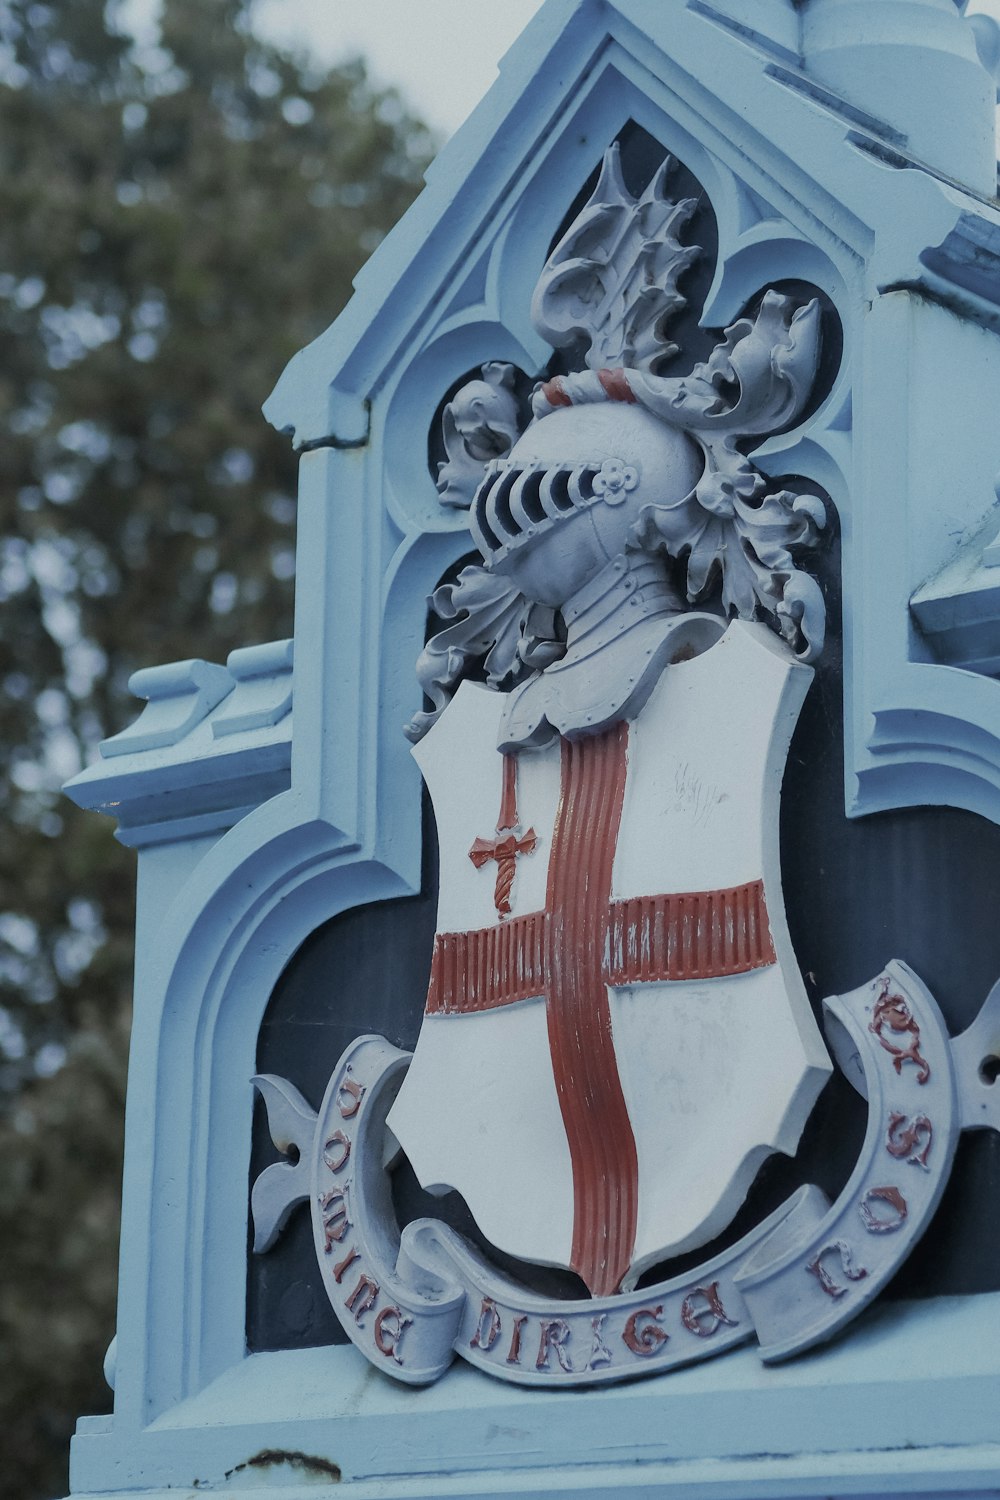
847	144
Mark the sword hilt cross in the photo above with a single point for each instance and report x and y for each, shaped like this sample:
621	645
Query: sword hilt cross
508	843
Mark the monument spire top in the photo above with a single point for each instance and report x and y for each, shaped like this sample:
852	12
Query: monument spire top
885	58
888	57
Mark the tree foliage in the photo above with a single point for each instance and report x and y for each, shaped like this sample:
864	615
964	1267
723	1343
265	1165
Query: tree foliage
175	221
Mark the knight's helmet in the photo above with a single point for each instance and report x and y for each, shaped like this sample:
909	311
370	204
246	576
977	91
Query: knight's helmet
562	504
622	465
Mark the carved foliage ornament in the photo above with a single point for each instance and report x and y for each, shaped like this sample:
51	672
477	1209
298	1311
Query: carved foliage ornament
616	1034
609	289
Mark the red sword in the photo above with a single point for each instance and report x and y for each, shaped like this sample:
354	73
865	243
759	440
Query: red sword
507	845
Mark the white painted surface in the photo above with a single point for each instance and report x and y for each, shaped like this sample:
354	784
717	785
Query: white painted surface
706	757
478	1111
719	1072
709	1069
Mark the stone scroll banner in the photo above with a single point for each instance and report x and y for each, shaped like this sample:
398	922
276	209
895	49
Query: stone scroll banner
412	1299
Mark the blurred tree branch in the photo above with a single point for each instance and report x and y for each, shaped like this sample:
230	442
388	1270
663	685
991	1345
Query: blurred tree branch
175	221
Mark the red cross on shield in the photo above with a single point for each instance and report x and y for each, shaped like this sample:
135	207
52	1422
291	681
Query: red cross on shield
610	1052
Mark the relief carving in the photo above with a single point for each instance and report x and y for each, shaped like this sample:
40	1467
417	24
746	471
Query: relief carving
613	688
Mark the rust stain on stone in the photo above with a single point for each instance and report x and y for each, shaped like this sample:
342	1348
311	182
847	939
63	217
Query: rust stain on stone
305	1463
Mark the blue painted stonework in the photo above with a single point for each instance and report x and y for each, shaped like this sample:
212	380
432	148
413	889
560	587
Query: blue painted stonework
844	143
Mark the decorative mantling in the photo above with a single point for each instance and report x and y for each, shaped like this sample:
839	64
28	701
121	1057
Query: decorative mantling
321	395
610	287
211	744
479	424
611	282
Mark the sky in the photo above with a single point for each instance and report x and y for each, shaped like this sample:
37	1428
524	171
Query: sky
443	54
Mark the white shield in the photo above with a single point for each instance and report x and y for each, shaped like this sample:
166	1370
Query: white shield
710	1068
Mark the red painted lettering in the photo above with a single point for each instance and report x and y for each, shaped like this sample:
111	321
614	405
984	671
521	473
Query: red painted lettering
337	1151
333	1206
488	1328
893	1023
600	1354
349	1097
910	1137
873	1206
344	1265
514	1352
555	1335
816	1268
363	1297
650	1337
702	1312
390	1325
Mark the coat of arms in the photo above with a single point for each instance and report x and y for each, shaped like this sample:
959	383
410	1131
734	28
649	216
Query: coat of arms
616	1033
